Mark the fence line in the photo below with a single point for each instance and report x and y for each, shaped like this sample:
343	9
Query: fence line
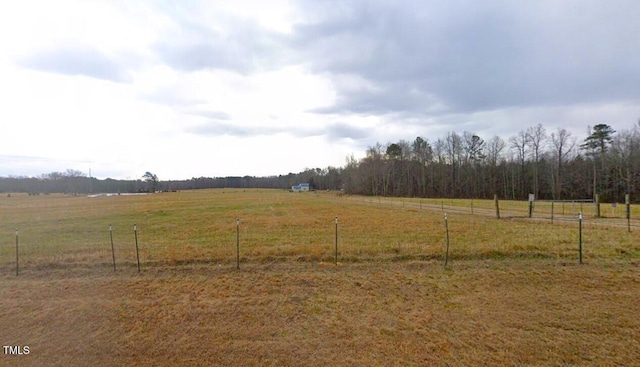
92	247
564	211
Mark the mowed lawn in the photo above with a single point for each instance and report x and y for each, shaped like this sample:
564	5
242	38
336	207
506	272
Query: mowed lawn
512	294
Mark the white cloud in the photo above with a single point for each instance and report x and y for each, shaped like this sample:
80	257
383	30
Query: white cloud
258	88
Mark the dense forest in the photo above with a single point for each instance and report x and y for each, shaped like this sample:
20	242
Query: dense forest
550	165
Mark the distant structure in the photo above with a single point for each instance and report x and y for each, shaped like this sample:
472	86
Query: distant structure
300	187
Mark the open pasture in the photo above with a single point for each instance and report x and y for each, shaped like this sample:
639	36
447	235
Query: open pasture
200	227
513	293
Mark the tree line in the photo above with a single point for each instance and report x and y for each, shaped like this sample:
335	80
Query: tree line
75	182
459	165
552	166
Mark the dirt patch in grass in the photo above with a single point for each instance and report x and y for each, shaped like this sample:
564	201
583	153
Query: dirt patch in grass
511	312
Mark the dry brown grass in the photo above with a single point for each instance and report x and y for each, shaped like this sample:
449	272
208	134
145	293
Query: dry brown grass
512	295
283	314
199	227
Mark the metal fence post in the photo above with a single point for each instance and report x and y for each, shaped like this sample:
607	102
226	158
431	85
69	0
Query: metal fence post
627	201
446	226
17	260
580	236
135	233
238	243
113	253
336	257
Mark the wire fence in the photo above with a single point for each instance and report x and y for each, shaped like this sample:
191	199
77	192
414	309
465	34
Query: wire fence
611	214
475	234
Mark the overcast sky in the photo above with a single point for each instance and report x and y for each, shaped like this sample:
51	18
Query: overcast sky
214	88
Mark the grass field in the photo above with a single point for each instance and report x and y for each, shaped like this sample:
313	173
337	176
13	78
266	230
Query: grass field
513	293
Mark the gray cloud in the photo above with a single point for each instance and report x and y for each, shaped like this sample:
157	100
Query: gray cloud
217	128
429	58
393	97
345	131
331	132
473	56
78	61
225	42
430	65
